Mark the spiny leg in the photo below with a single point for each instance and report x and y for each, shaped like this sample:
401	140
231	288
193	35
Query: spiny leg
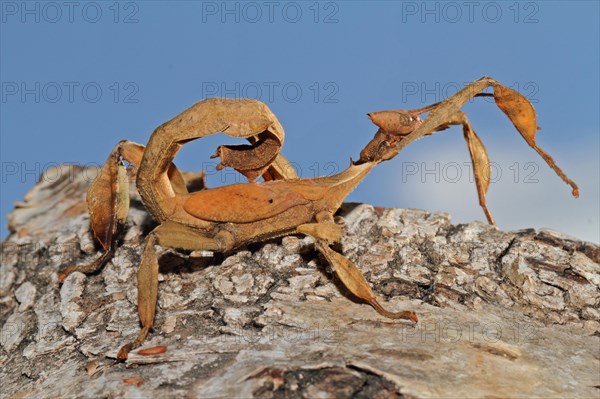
514	105
87	268
355	282
399	128
479	157
147	285
176	235
384	146
326	229
108	201
173	235
327	232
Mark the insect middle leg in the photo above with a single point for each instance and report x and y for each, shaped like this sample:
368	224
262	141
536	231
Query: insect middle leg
168	235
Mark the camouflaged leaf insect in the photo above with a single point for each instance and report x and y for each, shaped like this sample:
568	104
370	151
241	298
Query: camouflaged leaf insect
225	218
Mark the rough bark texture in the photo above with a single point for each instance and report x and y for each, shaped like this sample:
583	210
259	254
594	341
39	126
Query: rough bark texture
502	314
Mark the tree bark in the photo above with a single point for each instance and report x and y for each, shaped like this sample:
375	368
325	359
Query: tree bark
501	314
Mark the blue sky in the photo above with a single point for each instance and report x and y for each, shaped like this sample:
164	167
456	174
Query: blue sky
78	77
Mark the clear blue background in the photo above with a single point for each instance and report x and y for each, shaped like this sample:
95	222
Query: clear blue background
151	60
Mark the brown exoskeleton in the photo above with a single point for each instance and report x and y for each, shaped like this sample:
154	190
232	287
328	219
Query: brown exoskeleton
225	218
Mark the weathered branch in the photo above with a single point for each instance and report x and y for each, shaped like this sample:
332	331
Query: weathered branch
503	314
